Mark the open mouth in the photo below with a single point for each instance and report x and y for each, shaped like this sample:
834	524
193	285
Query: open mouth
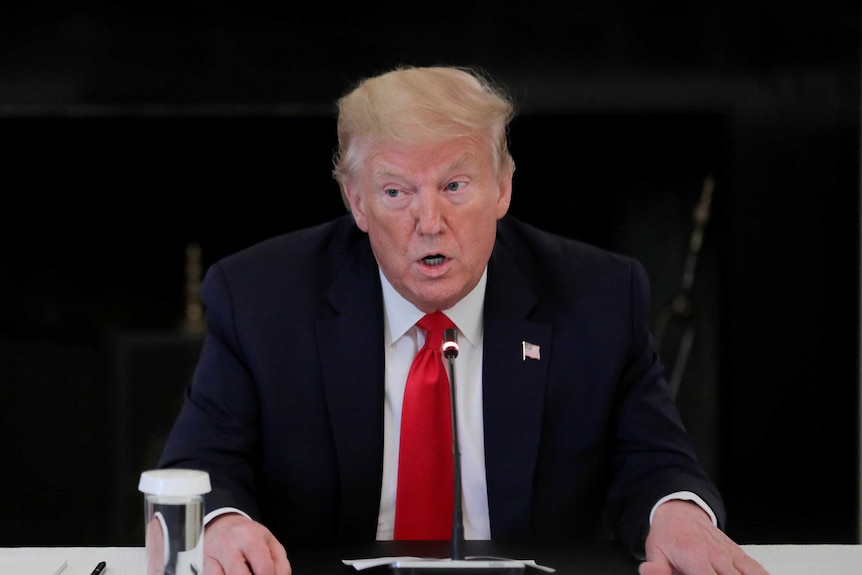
434	260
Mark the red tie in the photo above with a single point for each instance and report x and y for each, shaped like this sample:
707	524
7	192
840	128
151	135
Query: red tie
423	508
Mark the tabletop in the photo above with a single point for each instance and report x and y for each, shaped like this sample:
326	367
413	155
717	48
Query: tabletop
601	560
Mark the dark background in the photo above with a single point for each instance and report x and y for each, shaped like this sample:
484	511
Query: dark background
131	131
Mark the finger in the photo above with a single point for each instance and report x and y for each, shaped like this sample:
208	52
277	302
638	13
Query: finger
652	568
281	566
267	556
236	565
748	565
279	558
212	566
655	568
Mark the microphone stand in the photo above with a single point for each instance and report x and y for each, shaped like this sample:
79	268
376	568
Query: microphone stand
450	351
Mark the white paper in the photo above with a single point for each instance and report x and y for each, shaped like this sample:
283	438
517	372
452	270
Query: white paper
45	565
808	559
78	560
361	564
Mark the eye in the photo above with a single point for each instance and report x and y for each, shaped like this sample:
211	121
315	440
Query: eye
392	192
455	186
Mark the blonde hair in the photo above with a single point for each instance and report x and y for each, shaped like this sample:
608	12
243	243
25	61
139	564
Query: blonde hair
422	105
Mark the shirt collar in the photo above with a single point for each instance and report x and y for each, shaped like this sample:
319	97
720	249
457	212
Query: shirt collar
400	315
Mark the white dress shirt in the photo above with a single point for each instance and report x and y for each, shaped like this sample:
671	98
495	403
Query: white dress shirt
402	340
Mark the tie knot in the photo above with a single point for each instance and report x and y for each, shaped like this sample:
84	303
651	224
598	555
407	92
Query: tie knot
435	324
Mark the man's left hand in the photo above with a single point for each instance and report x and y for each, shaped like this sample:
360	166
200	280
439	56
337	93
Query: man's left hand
682	539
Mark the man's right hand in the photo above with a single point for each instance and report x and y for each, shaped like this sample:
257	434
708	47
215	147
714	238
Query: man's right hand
236	545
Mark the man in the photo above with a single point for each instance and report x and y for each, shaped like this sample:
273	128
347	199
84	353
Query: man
565	421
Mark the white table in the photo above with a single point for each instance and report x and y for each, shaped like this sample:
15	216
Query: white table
778	559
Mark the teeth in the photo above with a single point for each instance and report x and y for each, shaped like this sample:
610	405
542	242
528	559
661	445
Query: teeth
433	260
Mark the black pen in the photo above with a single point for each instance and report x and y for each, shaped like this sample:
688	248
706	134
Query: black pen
99	568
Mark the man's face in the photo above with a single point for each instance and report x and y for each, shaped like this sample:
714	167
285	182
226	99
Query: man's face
430	212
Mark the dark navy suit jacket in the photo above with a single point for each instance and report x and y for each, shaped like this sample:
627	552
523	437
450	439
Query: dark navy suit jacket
285	408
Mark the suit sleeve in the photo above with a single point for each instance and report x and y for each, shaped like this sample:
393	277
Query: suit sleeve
654	455
217	427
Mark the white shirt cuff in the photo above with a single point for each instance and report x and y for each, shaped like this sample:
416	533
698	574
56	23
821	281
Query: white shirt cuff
221	511
685	496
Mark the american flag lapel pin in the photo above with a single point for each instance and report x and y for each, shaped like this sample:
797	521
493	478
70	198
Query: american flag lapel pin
530	350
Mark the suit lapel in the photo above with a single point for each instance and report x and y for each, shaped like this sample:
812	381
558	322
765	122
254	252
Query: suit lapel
513	394
352	364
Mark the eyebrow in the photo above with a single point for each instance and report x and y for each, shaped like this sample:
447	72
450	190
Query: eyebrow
387	172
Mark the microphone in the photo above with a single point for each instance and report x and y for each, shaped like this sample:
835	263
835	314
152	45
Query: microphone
450	347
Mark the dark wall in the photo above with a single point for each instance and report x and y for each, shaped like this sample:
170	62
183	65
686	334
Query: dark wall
132	132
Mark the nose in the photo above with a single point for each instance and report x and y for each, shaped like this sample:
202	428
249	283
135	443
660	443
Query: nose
429	209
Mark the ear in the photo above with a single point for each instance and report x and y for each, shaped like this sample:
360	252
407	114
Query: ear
357	207
504	193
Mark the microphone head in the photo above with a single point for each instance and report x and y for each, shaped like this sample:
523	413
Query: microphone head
450	343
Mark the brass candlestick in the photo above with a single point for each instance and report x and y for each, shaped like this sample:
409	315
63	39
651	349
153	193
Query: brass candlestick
193	319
